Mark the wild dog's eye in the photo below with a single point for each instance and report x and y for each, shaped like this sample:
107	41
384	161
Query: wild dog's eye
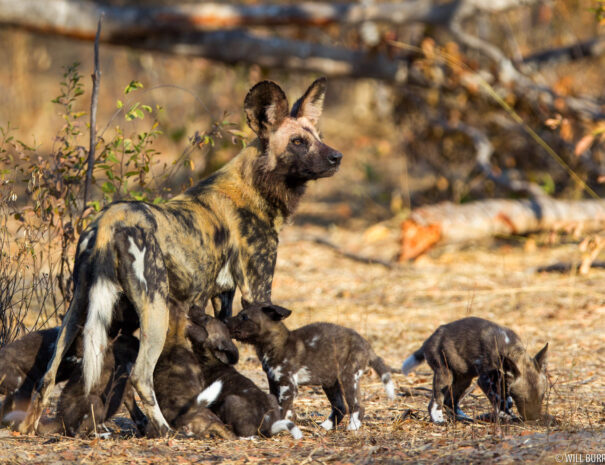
244	317
298	141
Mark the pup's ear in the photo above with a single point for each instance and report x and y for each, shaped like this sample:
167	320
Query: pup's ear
540	358
510	367
266	106
197	334
226	352
311	104
275	312
198	316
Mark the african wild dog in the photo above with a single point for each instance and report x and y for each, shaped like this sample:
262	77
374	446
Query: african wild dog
459	351
319	354
178	378
220	234
239	402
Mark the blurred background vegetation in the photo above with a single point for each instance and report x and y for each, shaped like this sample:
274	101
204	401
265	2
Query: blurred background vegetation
414	115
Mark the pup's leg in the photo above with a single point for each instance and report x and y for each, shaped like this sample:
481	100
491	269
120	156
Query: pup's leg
339	409
237	412
493	386
285	395
136	415
352	390
442	380
455	394
69	330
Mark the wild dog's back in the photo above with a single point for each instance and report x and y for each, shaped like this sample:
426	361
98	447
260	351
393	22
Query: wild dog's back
471	345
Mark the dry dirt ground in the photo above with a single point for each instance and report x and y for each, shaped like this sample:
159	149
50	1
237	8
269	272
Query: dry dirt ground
396	309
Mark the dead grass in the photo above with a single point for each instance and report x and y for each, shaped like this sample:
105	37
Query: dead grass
396	309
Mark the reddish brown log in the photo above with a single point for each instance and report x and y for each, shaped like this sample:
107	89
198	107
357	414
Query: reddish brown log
450	223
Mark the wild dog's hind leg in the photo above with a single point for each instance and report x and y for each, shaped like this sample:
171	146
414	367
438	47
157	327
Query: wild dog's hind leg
69	331
455	394
442	380
339	408
145	283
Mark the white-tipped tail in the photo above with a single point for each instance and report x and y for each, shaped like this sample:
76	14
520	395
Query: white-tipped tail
389	387
286	425
102	297
210	394
409	364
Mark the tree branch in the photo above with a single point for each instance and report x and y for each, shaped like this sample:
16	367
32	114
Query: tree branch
96	78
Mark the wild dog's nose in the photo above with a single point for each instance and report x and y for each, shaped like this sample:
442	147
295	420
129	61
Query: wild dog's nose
334	158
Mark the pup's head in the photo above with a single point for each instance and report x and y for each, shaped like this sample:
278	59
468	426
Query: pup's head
292	149
258	323
210	339
527	383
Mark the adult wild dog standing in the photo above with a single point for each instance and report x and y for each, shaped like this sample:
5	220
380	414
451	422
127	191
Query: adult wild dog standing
220	234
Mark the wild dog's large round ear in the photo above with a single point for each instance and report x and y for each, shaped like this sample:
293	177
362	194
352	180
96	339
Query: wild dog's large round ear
275	312
311	104
226	352
266	106
540	357
197	334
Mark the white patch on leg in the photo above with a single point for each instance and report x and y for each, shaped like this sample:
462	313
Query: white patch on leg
437	414
282	392
327	425
102	298
210	394
288	415
389	387
274	373
354	422
138	265
286	425
358	374
224	278
301	376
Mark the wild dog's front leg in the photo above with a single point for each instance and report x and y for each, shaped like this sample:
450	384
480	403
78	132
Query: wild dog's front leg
285	391
255	275
493	386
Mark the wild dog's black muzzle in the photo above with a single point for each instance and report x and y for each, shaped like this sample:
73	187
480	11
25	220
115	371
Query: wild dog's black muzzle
334	158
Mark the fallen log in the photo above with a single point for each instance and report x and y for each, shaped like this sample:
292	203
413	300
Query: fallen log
451	223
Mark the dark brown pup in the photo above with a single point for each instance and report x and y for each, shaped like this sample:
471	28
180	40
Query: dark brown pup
233	397
219	235
464	349
178	379
319	354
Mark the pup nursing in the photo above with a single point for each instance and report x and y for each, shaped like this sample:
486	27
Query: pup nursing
473	347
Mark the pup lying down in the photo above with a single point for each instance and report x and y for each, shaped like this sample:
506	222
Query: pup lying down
319	354
473	347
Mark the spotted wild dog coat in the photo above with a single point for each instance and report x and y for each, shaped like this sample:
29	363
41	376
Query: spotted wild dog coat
220	234
319	354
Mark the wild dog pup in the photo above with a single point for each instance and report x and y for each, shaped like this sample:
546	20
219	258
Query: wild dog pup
219	235
23	363
319	354
78	413
178	378
25	360
233	397
464	349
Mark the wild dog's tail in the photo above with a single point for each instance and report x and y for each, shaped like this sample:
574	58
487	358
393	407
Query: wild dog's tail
209	395
413	361
283	425
101	300
384	371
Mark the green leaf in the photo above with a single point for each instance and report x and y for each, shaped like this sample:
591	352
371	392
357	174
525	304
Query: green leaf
119	104
132	86
108	188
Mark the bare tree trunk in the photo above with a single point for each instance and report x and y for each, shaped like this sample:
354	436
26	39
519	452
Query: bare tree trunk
450	223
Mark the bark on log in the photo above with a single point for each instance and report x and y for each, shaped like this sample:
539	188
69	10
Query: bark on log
78	18
450	223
